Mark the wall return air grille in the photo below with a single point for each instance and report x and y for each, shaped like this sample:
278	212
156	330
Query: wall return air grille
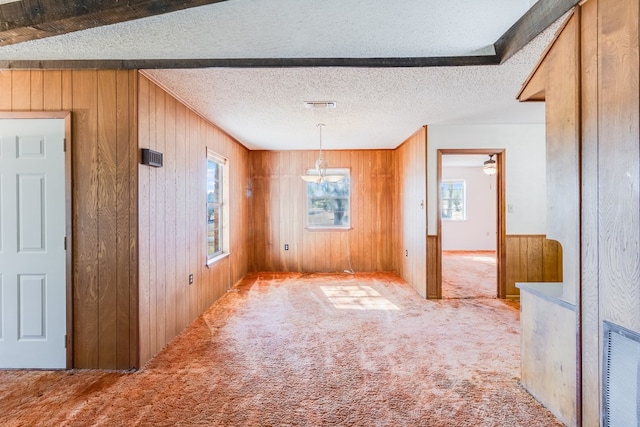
621	376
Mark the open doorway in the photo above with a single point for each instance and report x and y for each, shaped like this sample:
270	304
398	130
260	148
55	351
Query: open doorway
471	236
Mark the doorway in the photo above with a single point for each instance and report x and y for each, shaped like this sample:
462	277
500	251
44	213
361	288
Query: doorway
472	273
34	228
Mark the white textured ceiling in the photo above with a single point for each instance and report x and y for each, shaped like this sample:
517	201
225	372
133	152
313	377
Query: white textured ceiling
376	107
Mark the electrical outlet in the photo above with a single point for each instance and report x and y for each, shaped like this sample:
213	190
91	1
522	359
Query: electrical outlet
286	246
406	252
191	278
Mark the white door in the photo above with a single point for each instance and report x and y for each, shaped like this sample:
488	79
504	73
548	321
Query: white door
32	253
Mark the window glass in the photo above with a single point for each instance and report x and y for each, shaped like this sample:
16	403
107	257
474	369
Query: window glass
328	203
214	206
452	200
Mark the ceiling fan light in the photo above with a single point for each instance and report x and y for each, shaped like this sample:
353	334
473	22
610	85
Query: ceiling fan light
490	167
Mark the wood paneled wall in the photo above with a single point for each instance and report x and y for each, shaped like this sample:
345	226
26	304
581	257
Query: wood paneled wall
532	258
611	176
172	203
410	252
103	106
608	64
278	213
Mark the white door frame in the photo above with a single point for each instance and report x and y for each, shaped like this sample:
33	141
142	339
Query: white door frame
66	116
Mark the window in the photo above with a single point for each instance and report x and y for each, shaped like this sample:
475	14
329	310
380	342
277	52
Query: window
452	200
215	205
328	203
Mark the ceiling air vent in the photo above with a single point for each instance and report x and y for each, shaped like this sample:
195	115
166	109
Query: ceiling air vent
320	104
621	376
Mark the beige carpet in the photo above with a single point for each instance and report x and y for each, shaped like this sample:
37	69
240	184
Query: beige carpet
469	274
305	350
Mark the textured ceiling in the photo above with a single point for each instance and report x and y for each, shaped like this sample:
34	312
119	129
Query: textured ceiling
376	107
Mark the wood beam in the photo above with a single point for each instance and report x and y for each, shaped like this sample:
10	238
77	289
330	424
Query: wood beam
133	64
537	19
35	19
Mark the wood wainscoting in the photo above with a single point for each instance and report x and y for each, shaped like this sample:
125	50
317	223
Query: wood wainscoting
532	258
172	204
104	198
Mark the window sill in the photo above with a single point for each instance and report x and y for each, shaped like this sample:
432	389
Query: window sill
328	228
217	258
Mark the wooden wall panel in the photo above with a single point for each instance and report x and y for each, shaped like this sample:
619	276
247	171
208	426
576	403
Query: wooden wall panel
562	114
590	293
279	207
532	258
618	154
172	203
104	179
410	253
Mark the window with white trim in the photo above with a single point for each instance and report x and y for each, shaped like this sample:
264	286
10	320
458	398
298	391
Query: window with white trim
452	200
329	203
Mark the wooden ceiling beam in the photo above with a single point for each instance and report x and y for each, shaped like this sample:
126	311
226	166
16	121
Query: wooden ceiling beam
536	20
25	20
133	64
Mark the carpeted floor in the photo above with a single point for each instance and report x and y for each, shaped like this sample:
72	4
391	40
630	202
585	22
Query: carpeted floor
469	274
305	350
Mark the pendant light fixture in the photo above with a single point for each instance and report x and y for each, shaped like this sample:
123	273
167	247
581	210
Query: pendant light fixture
490	166
320	173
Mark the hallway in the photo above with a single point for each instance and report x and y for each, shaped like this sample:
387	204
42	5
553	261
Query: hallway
310	350
469	274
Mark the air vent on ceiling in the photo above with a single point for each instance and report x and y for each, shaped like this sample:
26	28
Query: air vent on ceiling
320	104
621	376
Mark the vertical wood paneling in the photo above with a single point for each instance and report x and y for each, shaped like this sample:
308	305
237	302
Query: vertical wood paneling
279	213
6	89
590	292
106	220
37	91
171	213
85	130
410	251
562	116
104	203
21	94
618	154
144	239
532	258
52	88
173	223
182	300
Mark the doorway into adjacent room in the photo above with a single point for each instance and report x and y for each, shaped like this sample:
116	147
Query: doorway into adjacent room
470	224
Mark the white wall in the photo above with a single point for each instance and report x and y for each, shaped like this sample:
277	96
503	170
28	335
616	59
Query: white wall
525	169
478	231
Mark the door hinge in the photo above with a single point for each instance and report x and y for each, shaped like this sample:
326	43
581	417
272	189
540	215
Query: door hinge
64	145
66	341
65	243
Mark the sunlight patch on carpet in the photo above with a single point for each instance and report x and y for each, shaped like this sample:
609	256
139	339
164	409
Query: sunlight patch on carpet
357	298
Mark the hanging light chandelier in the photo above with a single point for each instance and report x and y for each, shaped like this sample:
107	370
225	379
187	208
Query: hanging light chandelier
490	166
319	174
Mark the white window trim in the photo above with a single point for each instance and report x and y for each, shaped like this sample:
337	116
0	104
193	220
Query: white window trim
224	162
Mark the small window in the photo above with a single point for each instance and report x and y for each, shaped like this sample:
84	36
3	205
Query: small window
452	200
328	203
215	205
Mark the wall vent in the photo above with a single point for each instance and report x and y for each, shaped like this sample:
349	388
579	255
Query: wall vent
621	376
151	158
